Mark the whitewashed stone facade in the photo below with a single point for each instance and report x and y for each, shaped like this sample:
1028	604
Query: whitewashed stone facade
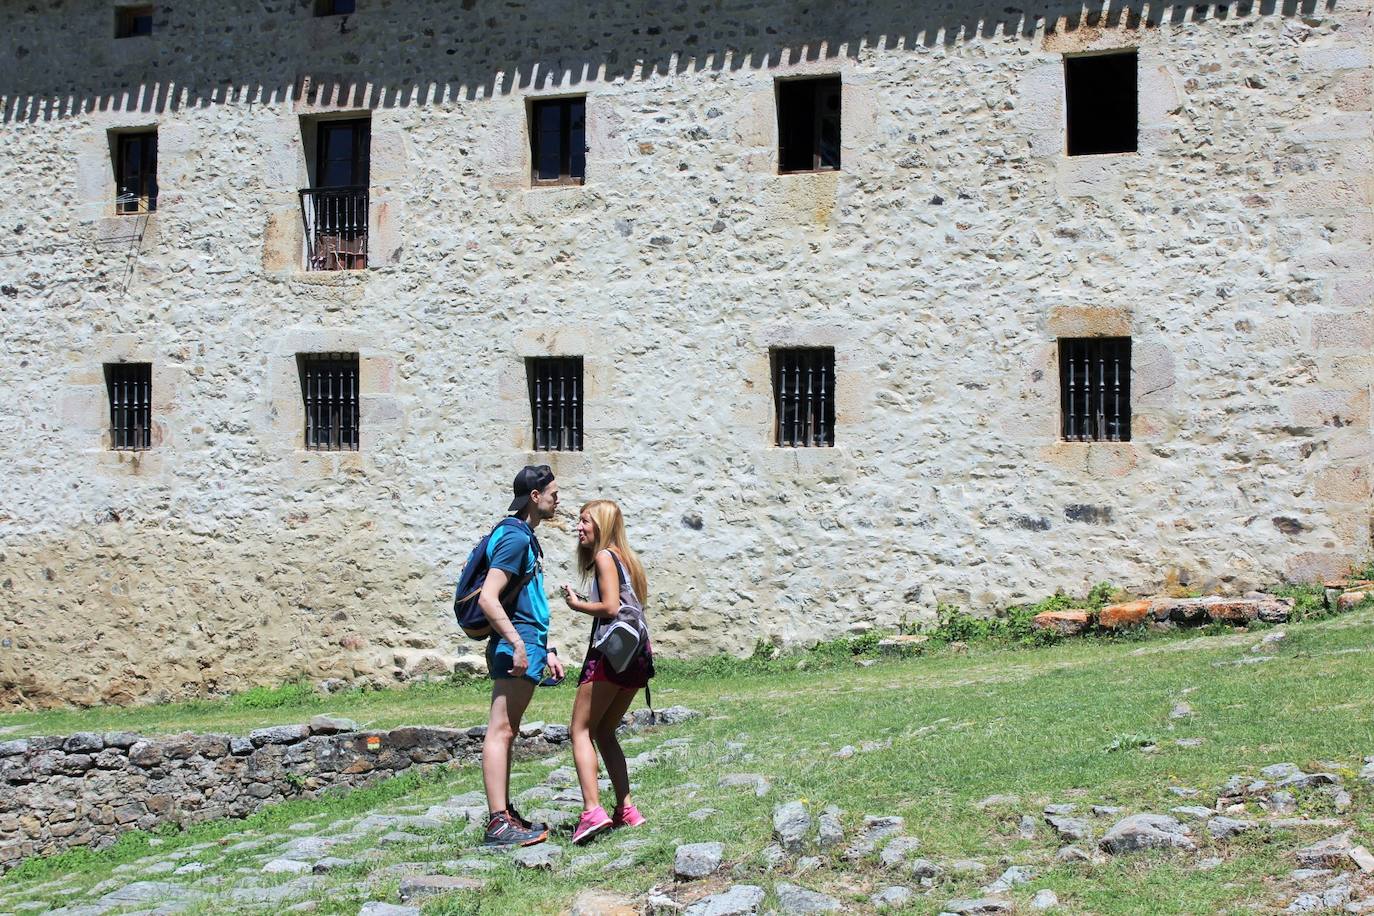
943	261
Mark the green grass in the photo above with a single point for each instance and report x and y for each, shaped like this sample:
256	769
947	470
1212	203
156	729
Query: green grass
1064	723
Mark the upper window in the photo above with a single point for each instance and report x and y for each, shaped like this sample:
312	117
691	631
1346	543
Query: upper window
329	387
1095	388
804	397
556	402
136	172
558	141
1102	103
335	7
809	125
336	208
130	389
132	21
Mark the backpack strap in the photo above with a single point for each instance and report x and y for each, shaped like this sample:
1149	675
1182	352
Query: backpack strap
517	583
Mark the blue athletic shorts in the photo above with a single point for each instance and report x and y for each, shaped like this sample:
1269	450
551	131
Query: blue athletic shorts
500	654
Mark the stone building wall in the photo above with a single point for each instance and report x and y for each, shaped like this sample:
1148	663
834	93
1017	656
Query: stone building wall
942	262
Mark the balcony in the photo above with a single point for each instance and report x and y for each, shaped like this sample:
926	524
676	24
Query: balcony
335	227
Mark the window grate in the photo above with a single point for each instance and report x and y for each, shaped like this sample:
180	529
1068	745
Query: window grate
809	125
136	172
130	388
556	402
558	141
1095	388
329	386
804	397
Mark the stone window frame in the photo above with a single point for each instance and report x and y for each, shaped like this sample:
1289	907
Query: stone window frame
381	420
85	405
605	420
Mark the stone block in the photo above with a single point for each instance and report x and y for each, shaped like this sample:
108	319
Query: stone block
1065	623
1344	484
1335	408
83	743
1123	616
1343	331
279	734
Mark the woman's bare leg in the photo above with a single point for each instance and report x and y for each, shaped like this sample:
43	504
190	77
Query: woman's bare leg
589	707
609	745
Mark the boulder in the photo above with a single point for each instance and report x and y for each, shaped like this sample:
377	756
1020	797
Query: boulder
1065	623
1123	616
697	860
1140	832
739	900
794	899
791	824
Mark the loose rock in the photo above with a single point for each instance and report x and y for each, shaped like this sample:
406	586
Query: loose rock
697	860
422	886
1330	852
1146	831
791	824
1044	900
740	900
794	899
1223	828
980	905
897	896
899	850
543	855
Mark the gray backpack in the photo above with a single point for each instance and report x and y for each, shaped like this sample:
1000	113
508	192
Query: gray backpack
622	638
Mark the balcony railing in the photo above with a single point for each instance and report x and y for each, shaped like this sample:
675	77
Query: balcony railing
335	228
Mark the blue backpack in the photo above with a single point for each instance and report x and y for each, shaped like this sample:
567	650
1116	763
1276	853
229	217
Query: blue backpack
466	608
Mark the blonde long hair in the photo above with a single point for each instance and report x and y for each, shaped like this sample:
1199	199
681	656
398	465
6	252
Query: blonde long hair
610	533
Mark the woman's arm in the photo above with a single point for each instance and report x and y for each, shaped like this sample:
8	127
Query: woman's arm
608	584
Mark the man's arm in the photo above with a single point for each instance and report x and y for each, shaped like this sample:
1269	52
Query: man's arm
490	603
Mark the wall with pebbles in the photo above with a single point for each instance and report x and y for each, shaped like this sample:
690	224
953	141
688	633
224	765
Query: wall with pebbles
57	793
956	245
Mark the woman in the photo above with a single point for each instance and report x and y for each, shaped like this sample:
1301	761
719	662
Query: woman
618	591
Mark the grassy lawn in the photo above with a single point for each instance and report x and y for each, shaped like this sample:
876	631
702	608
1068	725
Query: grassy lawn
943	731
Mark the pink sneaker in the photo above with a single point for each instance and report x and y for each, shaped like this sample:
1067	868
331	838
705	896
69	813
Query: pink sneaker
592	824
627	816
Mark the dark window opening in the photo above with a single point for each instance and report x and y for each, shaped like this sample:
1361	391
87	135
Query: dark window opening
130	389
558	141
335	7
809	125
133	21
329	387
1102	103
336	208
136	172
804	397
556	402
1095	388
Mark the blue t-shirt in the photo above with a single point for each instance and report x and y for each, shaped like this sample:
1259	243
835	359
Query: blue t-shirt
511	550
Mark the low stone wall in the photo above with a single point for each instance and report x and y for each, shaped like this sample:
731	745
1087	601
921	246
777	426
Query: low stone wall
86	789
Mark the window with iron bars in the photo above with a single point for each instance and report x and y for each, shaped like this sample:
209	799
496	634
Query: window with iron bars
335	209
136	172
1095	388
558	141
130	389
809	125
329	387
555	384
804	397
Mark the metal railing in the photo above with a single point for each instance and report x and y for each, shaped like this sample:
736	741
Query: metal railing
335	227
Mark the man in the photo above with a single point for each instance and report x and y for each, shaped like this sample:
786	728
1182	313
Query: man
518	651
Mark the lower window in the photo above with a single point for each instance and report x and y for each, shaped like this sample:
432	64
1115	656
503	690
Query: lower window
130	389
1095	388
804	397
329	387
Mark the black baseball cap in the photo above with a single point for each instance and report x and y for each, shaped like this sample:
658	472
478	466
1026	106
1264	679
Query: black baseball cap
531	477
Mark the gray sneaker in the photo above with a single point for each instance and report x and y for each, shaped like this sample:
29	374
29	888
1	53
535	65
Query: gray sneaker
502	830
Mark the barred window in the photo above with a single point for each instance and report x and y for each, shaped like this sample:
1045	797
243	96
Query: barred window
136	172
558	141
130	389
556	402
1102	103
804	397
133	21
329	386
1095	388
809	125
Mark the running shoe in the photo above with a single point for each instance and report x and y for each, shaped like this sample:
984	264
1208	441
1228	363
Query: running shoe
502	830
593	823
627	816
